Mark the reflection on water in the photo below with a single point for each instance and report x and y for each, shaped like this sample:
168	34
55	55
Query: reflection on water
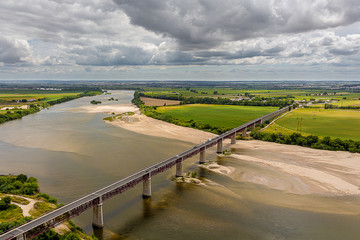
73	152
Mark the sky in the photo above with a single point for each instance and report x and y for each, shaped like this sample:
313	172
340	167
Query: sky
180	40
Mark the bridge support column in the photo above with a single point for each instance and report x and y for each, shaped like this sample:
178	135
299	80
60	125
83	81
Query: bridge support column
253	126
179	169
98	217
243	133
147	188
219	147
233	138
202	157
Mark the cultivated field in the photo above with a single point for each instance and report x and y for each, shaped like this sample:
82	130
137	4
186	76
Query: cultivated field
344	124
6	98
158	102
217	115
340	98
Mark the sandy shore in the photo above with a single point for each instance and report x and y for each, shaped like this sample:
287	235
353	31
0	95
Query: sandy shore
148	126
298	170
305	170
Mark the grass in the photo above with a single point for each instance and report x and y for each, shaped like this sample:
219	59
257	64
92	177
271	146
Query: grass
119	116
343	124
19	200
346	102
217	115
42	96
40	208
11	214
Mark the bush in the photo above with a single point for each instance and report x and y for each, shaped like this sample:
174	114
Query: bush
9	225
18	185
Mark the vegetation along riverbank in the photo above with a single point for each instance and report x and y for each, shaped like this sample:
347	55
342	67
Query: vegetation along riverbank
306	126
15	104
21	201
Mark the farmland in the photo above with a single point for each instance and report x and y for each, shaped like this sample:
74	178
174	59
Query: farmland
343	124
216	115
14	104
297	94
219	106
159	102
19	97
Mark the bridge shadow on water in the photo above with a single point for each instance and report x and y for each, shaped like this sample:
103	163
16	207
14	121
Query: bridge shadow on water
150	208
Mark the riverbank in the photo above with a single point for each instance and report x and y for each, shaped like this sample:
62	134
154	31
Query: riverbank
21	202
36	103
140	123
311	171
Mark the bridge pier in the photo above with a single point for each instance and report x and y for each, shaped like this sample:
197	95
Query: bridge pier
147	188
98	217
253	126
219	147
243	133
179	169
233	138
202	157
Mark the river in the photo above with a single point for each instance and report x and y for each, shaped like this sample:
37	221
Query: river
73	152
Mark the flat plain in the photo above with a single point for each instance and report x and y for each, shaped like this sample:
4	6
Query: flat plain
335	123
217	115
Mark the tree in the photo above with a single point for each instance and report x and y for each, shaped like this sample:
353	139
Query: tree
7	200
5	203
22	178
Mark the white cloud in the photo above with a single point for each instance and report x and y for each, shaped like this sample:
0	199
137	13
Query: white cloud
84	37
13	50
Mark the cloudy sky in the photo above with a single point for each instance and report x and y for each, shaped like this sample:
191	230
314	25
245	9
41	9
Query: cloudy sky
180	39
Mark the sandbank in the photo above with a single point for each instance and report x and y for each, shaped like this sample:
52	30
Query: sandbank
148	126
311	171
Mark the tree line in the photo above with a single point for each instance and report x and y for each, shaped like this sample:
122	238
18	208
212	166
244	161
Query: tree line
18	114
311	141
256	101
331	106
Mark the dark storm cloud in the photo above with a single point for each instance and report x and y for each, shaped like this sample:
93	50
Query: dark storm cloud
206	23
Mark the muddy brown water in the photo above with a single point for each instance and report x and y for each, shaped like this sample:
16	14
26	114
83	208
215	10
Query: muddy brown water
73	152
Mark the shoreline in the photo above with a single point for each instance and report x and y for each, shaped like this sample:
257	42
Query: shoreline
311	171
142	124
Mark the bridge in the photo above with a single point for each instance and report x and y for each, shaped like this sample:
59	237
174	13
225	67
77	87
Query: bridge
95	200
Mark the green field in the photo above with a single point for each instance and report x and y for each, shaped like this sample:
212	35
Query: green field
344	124
216	115
43	96
344	98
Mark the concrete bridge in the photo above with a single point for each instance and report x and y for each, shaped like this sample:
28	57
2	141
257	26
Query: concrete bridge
95	200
